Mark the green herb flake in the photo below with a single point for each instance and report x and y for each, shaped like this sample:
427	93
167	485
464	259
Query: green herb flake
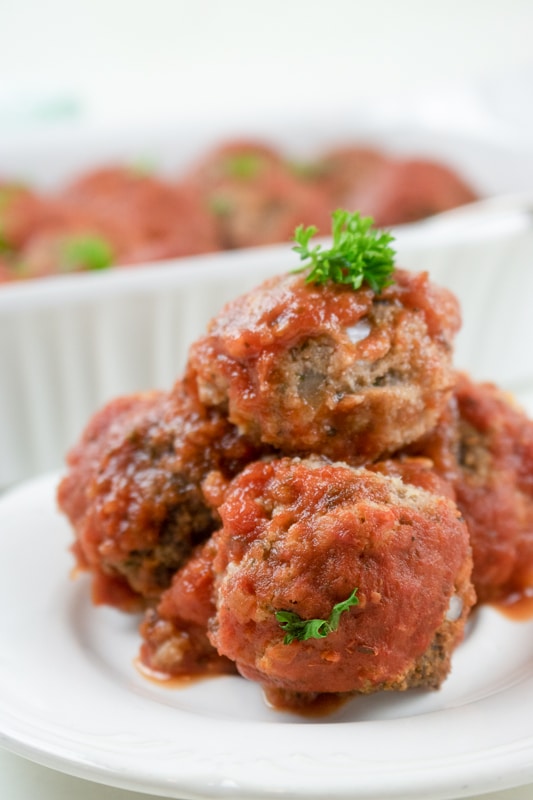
305	170
6	248
359	253
220	204
245	166
298	629
86	253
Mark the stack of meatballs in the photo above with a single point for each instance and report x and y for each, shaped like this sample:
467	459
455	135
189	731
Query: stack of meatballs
319	446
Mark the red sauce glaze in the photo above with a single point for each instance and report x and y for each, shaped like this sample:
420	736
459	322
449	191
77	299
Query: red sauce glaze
103	428
282	311
307	704
518	607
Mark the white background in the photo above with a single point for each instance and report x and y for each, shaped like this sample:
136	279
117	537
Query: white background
155	58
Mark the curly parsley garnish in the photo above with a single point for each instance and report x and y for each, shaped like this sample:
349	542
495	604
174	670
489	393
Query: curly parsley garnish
358	253
298	629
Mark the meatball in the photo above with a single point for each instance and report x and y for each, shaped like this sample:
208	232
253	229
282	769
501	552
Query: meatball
7	269
352	375
346	170
410	190
74	245
494	487
175	638
154	219
104	429
416	471
133	490
36	232
255	197
483	445
25	214
302	536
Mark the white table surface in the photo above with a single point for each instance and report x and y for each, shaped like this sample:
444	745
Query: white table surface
22	780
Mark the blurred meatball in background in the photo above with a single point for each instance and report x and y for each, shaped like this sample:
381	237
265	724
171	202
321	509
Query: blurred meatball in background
255	196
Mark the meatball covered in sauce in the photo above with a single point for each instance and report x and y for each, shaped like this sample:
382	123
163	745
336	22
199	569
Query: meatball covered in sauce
133	490
22	211
343	171
255	197
153	219
302	536
483	446
352	375
72	244
495	487
409	190
175	632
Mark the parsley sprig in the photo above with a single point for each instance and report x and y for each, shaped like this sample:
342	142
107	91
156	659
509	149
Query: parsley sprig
358	253
298	629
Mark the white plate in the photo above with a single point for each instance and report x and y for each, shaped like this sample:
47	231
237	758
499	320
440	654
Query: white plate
71	698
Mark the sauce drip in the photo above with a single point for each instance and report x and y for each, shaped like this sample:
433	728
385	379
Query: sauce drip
321	705
168	681
517	606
